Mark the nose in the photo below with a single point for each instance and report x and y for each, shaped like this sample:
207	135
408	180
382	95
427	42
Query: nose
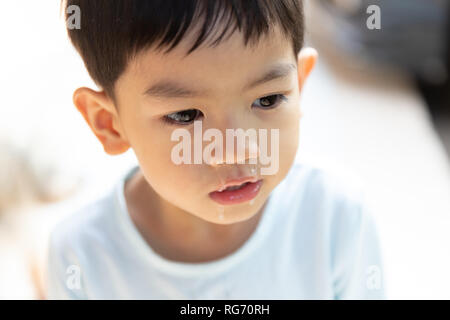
238	147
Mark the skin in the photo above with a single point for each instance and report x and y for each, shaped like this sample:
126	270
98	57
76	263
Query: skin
169	203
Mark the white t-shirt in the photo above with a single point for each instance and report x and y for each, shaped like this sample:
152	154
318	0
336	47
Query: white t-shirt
316	239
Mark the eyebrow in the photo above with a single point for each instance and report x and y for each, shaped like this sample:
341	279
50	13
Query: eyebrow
173	89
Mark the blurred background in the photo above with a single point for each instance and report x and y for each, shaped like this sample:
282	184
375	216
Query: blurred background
377	106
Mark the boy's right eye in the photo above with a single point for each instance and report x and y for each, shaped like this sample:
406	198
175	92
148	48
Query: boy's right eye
182	117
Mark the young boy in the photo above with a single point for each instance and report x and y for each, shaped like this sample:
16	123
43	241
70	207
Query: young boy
226	225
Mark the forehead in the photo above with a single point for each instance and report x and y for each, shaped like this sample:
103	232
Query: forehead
229	62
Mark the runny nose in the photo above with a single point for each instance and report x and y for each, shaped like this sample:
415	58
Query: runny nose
242	152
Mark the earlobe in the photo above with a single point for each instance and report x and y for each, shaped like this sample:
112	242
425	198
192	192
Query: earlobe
306	61
96	110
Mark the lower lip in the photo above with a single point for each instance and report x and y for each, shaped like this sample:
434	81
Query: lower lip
245	193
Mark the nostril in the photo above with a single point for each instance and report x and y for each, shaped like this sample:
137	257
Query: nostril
215	162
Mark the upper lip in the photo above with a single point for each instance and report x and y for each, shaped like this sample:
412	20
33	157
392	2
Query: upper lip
236	182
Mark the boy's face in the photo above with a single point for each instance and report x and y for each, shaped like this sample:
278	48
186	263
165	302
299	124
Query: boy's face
220	74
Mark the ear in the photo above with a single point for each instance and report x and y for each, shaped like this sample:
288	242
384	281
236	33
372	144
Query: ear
100	114
306	60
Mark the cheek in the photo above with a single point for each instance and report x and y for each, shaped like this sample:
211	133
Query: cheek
288	122
154	153
289	134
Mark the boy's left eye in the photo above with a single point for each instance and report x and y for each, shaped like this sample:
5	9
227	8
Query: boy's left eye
270	102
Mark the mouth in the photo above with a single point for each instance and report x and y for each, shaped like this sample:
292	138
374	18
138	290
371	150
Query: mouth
237	191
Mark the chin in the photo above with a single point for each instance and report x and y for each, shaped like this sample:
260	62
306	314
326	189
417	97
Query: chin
236	213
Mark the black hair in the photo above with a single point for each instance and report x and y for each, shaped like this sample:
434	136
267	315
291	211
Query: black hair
113	31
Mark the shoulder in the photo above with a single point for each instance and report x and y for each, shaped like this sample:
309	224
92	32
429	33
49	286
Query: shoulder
330	197
324	183
74	245
335	207
85	227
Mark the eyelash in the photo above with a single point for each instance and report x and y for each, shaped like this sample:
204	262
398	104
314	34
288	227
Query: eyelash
280	98
167	120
